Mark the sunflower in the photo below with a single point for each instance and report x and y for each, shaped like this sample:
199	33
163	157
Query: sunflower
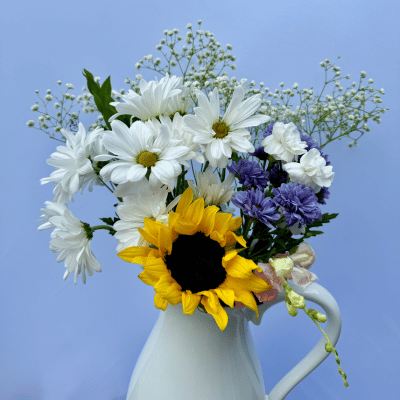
193	261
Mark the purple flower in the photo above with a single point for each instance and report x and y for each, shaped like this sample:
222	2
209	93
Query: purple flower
299	203
322	195
254	204
312	145
268	131
260	153
250	174
278	175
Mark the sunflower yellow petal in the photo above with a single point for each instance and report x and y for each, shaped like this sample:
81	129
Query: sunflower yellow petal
133	254
238	266
222	222
207	223
235	223
216	310
190	301
231	238
226	295
160	302
195	211
165	239
185	201
149	278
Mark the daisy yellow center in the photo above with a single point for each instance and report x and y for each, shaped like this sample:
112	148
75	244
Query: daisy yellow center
147	158
220	129
195	262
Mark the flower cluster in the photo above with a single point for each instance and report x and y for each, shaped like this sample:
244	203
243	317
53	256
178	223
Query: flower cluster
182	231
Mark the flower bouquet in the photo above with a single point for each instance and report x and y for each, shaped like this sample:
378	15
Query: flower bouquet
183	155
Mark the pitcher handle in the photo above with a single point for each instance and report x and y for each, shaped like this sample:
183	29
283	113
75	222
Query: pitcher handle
319	295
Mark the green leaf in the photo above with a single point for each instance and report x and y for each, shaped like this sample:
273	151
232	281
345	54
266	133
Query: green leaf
101	96
110	221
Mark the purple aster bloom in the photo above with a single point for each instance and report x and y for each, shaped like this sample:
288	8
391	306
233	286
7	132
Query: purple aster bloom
299	203
250	174
254	204
260	153
278	175
268	131
322	195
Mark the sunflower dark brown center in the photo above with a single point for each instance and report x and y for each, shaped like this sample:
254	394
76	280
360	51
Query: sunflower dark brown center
195	262
220	129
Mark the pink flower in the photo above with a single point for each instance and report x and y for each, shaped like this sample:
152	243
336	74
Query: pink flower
302	277
269	275
304	256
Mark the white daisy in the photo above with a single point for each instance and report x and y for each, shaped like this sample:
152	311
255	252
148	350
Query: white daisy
211	189
311	170
284	143
223	134
138	151
52	209
132	212
177	132
73	166
155	99
70	240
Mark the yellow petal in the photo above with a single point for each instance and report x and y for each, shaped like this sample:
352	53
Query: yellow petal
185	201
190	301
160	302
195	211
226	295
238	266
165	239
231	238
222	222
235	223
133	254
207	223
216	310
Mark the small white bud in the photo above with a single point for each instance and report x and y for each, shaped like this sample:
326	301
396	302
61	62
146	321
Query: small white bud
30	123
282	84
199	21
97	79
48	97
35	107
139	77
363	74
56	105
59	82
70	85
189	26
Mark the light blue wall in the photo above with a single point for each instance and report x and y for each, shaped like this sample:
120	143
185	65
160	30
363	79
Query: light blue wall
60	341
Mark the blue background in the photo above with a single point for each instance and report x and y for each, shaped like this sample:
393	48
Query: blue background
61	341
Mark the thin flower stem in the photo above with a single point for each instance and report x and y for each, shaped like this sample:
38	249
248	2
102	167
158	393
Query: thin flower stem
109	228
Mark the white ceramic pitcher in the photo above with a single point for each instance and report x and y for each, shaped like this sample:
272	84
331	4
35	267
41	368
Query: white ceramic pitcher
187	357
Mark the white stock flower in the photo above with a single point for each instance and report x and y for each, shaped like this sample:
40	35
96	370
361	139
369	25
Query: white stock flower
132	212
311	170
69	240
211	189
223	134
138	151
284	143
155	99
73	167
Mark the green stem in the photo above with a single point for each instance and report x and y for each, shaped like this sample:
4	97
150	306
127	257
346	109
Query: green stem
109	228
